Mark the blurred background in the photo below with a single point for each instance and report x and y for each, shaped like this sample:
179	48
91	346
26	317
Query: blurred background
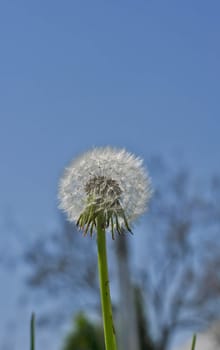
143	75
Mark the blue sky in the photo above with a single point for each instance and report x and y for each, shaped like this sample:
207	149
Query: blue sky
144	75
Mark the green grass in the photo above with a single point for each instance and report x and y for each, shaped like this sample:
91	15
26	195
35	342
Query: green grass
193	342
32	332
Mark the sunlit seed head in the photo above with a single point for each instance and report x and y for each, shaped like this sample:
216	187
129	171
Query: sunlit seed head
104	191
108	182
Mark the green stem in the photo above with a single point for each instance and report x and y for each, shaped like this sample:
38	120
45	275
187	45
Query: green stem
32	331
193	342
109	330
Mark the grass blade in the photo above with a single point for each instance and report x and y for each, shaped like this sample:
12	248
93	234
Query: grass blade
193	342
32	332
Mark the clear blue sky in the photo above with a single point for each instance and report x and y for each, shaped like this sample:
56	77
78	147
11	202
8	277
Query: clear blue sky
140	74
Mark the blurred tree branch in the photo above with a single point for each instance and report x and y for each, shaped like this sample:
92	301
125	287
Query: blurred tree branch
64	263
182	281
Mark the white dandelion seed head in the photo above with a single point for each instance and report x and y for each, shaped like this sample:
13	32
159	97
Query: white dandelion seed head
112	178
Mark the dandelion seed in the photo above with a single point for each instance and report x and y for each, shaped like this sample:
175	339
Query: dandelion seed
107	182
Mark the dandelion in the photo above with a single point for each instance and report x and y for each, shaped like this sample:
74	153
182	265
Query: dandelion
105	181
105	188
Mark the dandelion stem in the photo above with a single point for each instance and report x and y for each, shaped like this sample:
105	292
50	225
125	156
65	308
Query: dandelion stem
109	330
